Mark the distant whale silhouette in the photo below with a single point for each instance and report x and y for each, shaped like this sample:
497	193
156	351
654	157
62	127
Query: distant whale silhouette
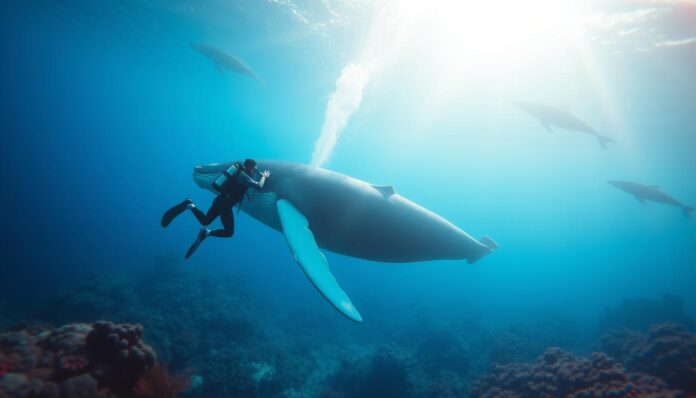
550	116
223	60
651	193
320	209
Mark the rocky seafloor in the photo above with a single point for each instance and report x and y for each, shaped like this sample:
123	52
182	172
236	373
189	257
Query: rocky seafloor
173	332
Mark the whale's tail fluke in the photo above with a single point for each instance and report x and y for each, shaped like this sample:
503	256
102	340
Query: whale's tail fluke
603	141
489	244
687	211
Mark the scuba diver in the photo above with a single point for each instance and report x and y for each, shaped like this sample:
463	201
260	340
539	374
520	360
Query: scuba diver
232	185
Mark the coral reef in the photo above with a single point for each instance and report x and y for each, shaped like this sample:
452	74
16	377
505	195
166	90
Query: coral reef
443	351
236	346
446	385
385	374
180	309
226	374
388	374
75	360
557	373
640	313
262	369
668	351
196	321
620	344
440	343
436	357
524	341
509	346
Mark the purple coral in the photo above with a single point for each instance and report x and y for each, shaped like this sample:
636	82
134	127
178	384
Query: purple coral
667	351
557	373
121	349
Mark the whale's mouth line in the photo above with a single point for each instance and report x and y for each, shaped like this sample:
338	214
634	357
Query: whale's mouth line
213	168
204	175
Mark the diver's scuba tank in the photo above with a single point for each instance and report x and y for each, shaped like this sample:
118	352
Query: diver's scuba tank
221	184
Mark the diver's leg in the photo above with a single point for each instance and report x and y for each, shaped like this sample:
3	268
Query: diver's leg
227	218
174	212
206	218
218	207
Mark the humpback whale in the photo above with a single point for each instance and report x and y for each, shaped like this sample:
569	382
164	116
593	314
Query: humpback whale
650	192
223	60
550	116
318	209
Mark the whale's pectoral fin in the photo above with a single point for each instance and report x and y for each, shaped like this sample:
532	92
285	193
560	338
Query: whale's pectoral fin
603	141
546	126
312	260
638	198
385	190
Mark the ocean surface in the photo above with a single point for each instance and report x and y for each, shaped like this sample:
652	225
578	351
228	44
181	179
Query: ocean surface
105	108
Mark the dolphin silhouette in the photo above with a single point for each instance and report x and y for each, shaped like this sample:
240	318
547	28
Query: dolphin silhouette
316	208
550	116
651	193
223	60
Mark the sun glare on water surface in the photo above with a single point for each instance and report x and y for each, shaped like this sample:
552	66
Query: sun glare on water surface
486	33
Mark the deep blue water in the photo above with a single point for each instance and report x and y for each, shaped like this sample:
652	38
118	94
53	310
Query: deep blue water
105	109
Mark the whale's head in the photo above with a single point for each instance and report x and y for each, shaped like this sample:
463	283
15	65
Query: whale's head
205	174
621	184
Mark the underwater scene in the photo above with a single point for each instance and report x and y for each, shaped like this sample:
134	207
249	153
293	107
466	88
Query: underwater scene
348	198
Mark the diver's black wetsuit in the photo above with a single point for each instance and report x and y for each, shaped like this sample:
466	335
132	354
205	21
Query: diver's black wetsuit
232	191
222	206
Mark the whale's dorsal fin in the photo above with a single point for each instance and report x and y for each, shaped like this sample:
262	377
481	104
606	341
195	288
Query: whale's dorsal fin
312	260
386	190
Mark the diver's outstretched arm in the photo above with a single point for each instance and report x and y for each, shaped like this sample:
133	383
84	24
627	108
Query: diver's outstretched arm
264	174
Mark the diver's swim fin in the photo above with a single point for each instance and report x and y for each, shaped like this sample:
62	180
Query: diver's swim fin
202	234
173	212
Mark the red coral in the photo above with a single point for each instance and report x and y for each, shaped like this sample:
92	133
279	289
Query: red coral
72	363
159	383
4	368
